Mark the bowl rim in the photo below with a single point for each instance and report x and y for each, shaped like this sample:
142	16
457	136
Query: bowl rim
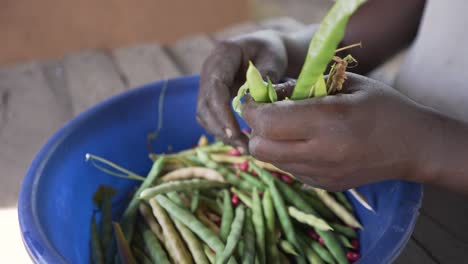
41	250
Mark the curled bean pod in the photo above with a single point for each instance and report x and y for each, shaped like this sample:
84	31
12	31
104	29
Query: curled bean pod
96	249
193	172
243	197
272	255
129	215
227	215
145	211
189	220
179	186
155	250
234	236
259	225
341	197
174	244
309	219
347	231
338	209
249	239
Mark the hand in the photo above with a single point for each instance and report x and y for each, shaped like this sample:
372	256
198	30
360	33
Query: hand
224	72
368	134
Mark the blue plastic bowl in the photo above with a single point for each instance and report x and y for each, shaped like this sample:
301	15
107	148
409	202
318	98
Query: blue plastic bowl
55	203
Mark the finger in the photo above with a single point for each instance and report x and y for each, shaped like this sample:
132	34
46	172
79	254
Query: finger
279	151
270	66
294	120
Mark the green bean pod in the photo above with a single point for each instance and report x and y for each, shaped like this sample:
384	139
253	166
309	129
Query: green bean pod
173	242
272	255
309	219
312	256
347	231
209	254
96	249
338	209
331	241
179	186
141	256
257	87
189	220
280	207
125	252
227	216
322	252
341	197
243	197
249	239
259	225
129	215
234	236
195	201
251	179
288	248
210	204
345	241
155	249
318	206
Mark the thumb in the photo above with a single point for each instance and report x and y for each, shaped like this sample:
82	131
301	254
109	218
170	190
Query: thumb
271	66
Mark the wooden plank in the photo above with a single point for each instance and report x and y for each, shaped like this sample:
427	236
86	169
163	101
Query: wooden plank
448	209
30	113
144	63
236	30
91	77
282	24
444	247
413	254
190	53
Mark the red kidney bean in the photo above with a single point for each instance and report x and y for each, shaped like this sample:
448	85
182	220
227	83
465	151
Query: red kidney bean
287	179
234	152
235	200
321	241
244	166
312	234
352	256
355	244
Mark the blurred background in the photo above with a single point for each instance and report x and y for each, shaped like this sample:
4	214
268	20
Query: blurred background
46	44
50	28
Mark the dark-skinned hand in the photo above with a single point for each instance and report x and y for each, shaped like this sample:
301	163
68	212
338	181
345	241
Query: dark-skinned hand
368	134
223	73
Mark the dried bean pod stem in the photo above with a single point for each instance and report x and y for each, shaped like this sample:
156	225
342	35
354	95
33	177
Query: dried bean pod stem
227	215
338	209
189	220
193	172
174	243
179	186
259	225
234	236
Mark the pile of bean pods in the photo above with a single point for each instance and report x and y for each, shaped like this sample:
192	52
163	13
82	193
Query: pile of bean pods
210	204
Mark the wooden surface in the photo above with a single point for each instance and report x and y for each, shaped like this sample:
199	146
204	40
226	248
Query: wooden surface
36	98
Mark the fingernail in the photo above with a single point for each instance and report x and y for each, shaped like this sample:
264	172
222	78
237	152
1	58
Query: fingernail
228	132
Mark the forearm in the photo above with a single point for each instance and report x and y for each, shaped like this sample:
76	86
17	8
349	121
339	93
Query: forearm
381	31
444	161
